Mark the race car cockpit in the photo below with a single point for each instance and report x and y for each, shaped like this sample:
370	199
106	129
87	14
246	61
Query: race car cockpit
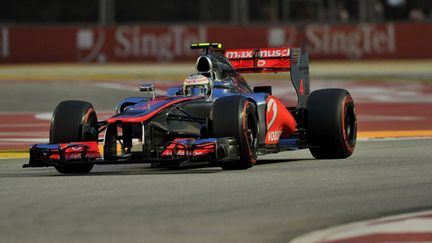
217	68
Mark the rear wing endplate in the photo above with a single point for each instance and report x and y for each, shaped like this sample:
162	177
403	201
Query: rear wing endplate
272	60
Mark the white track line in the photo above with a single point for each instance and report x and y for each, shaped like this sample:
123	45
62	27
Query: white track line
414	223
392	139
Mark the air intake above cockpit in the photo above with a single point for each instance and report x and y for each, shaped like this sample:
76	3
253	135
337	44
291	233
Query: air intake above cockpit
204	64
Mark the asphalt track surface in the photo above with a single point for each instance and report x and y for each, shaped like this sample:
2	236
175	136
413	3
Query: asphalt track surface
284	196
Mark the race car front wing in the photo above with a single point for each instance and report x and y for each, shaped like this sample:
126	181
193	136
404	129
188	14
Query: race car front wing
180	150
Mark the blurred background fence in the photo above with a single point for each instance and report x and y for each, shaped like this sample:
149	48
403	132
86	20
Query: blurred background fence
150	30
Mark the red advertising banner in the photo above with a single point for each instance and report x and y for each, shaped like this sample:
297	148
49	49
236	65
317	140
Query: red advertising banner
132	43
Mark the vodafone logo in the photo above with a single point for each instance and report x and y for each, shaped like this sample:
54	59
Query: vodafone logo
274	136
261	63
272	111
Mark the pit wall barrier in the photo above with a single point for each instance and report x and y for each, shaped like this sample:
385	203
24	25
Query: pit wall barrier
141	43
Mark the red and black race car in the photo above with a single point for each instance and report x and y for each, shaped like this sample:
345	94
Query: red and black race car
214	117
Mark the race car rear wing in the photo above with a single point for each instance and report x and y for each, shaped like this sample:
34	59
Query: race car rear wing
260	60
272	60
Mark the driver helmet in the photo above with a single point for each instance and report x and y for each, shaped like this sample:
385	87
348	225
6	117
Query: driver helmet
197	84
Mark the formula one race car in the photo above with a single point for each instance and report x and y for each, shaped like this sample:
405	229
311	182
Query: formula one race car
214	117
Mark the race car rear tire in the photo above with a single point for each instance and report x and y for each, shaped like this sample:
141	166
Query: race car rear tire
235	116
331	124
73	121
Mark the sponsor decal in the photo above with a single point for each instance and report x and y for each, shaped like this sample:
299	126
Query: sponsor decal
74	156
274	52
274	136
172	43
239	54
263	53
351	41
166	45
89	43
181	152
76	149
278	36
4	43
197	80
354	42
261	63
271	111
279	121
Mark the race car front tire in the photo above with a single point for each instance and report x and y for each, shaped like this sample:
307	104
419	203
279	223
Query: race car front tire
235	116
73	121
331	124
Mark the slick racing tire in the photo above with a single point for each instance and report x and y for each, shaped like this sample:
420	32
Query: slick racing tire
235	116
73	121
331	124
